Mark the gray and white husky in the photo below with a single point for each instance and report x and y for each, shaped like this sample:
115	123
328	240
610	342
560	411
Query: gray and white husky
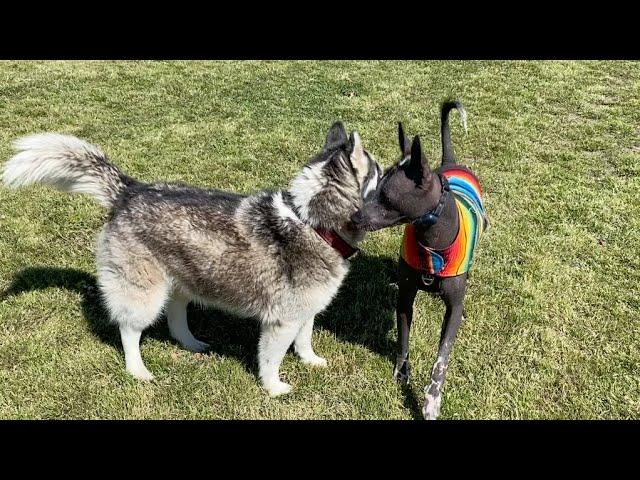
277	256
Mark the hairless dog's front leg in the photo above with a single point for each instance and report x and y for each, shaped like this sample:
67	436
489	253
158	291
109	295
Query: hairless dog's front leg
404	315
453	295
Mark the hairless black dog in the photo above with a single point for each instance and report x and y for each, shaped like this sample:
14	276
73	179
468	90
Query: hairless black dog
444	216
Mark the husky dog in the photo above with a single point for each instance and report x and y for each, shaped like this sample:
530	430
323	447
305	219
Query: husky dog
277	256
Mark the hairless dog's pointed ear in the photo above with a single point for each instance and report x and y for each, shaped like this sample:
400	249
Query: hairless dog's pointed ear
405	145
418	164
337	135
417	156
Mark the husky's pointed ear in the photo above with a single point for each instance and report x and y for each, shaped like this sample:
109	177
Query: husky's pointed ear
405	145
337	135
356	154
418	164
355	144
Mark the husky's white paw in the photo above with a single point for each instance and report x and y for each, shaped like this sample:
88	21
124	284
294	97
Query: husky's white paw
314	360
141	373
196	346
277	389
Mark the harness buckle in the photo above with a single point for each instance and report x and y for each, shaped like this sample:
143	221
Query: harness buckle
427	279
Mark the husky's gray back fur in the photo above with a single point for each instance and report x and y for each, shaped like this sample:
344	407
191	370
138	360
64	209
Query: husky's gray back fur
253	255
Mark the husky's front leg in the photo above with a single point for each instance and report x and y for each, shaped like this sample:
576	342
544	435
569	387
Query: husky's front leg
275	339
302	345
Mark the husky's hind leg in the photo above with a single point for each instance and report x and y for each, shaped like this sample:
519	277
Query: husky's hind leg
133	309
130	337
178	326
135	290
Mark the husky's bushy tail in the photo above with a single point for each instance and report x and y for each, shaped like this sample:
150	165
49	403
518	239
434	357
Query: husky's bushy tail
66	163
447	150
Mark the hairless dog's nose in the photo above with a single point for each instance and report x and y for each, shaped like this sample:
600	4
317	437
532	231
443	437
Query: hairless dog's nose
357	217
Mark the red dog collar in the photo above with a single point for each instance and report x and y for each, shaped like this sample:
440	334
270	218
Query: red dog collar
337	242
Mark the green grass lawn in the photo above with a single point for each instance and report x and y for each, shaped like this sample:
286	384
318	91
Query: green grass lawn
552	327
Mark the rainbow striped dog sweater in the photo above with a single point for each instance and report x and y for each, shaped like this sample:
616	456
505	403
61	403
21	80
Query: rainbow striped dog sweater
457	258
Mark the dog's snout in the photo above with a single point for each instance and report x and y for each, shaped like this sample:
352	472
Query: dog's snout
357	217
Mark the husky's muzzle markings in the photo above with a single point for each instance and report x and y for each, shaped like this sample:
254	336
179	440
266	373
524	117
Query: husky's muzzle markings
445	218
165	245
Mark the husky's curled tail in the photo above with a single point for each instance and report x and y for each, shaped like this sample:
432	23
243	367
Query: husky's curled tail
66	163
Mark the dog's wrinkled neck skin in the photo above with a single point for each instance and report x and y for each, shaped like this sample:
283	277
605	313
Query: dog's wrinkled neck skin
441	234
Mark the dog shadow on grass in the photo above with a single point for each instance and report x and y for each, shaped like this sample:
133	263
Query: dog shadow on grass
228	336
362	313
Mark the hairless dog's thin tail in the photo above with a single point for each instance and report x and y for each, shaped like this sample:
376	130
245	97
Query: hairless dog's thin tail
447	150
